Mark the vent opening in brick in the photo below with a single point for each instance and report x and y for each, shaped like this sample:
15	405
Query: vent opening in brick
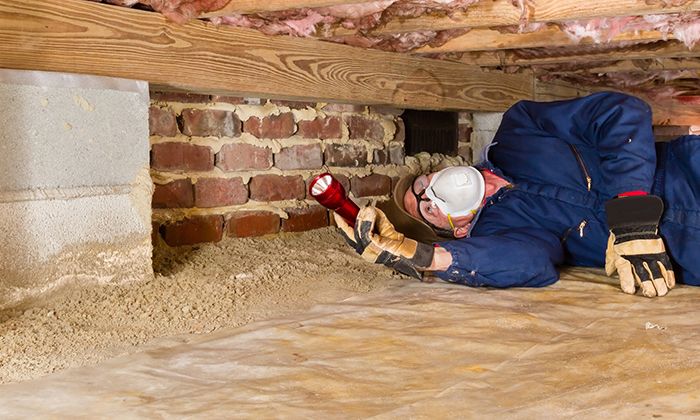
431	131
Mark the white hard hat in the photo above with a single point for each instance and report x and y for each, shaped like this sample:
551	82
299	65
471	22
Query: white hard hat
457	191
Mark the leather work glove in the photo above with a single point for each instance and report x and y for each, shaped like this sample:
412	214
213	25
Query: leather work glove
635	249
376	240
352	236
348	233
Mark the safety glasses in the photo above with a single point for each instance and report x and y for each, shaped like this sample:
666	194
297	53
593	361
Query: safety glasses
418	188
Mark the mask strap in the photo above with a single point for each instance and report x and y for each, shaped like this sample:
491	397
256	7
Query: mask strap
449	219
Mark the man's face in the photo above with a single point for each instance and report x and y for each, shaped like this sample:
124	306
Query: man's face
418	205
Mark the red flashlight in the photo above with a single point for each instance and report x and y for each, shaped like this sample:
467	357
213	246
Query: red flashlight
329	192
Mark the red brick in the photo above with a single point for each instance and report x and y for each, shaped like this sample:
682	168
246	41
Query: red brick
321	128
397	153
344	108
374	184
175	194
364	128
162	122
181	157
194	230
394	181
400	134
344	181
276	188
465	116
271	127
235	100
252	223
209	122
345	155
386	110
239	157
303	156
293	104
155	234
219	192
179	97
302	219
465	151
380	157
464	132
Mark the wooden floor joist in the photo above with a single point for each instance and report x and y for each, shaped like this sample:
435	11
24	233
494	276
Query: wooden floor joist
674	112
623	66
671	49
667	112
486	14
489	39
86	37
257	6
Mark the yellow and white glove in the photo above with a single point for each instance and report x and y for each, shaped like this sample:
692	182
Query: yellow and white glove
376	240
635	249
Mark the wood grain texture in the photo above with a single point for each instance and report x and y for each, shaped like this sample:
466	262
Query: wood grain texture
673	112
558	90
656	64
257	6
489	39
490	13
667	112
658	50
85	37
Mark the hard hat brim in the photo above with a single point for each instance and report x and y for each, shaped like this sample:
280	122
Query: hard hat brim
402	220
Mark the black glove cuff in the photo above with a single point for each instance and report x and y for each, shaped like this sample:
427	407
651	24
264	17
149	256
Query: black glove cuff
421	260
633	233
634	212
424	255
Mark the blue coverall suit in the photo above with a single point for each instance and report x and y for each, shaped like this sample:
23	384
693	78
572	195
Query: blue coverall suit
565	159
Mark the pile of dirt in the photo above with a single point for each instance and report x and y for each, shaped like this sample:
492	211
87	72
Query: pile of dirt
195	290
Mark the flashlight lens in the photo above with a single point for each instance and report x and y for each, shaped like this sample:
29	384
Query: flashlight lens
321	185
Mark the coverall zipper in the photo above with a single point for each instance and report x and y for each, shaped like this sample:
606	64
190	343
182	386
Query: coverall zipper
580	228
582	165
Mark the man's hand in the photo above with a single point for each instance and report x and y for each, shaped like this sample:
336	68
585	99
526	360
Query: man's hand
375	238
635	249
348	233
389	247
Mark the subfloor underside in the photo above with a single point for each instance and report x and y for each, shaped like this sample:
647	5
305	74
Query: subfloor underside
417	350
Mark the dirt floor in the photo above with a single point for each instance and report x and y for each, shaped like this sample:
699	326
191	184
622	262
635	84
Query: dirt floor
196	290
577	349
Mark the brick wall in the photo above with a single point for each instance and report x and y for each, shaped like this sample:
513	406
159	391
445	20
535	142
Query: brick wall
237	167
464	147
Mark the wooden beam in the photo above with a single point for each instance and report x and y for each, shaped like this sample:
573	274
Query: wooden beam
670	49
258	6
655	64
80	36
558	90
490	13
551	36
666	112
674	112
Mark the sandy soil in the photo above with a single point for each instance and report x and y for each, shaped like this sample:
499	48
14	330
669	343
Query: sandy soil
196	290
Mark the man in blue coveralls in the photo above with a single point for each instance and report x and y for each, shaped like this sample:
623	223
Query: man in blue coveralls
578	182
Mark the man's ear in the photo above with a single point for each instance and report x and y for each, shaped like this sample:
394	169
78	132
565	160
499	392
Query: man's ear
461	232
